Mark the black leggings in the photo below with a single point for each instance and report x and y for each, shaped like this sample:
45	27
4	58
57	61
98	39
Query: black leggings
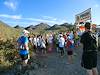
62	50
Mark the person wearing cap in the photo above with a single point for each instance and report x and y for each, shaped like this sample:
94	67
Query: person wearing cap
69	47
50	42
89	55
23	47
61	42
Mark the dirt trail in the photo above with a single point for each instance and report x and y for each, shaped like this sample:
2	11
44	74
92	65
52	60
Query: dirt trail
56	65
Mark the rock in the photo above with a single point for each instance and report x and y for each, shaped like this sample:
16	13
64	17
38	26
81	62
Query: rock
34	66
18	67
30	72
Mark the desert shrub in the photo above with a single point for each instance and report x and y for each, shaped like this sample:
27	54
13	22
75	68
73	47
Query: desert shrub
7	53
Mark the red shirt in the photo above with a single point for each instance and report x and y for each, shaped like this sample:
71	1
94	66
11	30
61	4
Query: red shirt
68	44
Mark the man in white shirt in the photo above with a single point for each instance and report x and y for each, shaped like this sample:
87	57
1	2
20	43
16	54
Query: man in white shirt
38	43
50	42
34	41
61	44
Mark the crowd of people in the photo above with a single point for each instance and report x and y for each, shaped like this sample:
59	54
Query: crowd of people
60	42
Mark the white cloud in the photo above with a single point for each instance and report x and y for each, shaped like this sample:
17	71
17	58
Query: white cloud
49	18
32	20
10	16
96	5
11	4
40	20
63	21
16	17
53	20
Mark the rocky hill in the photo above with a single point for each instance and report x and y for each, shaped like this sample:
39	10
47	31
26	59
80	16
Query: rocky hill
62	27
45	27
8	32
41	26
18	27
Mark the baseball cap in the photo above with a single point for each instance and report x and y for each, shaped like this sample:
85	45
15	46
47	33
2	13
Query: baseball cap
25	31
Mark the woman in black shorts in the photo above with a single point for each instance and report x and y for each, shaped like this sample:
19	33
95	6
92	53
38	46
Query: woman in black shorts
69	47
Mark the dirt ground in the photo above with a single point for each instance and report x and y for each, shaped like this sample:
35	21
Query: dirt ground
56	65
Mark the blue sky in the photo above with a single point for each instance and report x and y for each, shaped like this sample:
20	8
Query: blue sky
28	12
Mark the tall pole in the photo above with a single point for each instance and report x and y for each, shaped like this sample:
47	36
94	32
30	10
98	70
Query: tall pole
91	19
90	16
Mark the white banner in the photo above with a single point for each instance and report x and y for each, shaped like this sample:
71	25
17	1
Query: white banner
84	16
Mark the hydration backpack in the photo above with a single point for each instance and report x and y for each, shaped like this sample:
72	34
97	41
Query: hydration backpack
93	42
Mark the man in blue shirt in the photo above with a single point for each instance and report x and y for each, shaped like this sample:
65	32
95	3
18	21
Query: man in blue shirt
23	47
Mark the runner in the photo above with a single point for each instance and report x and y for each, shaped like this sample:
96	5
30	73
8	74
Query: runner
89	56
30	38
50	42
57	43
34	41
69	47
61	45
43	45
23	47
38	44
76	39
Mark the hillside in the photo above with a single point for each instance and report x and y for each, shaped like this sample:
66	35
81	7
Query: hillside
61	28
43	28
7	32
18	27
39	28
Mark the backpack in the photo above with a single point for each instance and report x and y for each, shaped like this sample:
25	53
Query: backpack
93	42
21	41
